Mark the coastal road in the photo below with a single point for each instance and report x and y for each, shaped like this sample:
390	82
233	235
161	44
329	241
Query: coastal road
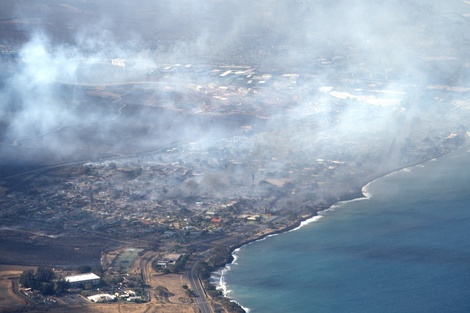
196	286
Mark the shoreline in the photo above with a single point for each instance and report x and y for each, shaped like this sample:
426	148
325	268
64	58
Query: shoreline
306	219
357	195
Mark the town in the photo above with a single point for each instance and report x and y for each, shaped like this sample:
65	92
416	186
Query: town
140	222
154	160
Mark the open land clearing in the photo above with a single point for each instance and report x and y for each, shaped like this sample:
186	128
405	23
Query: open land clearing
9	275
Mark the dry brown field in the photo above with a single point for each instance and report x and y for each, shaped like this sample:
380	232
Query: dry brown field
9	275
109	308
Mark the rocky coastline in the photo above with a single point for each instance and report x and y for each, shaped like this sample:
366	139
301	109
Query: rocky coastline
357	194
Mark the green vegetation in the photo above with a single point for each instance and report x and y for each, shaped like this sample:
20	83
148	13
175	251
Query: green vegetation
43	280
126	258
219	257
190	293
181	263
112	279
84	269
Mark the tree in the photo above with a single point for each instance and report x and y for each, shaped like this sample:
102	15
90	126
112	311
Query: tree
98	270
205	270
27	278
112	280
181	263
61	285
44	274
47	289
84	269
38	280
190	293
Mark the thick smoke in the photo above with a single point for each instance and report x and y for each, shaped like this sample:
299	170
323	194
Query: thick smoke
61	95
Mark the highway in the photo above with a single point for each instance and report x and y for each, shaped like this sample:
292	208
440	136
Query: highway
196	286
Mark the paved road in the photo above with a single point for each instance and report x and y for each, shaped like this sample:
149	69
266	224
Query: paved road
15	290
144	267
196	286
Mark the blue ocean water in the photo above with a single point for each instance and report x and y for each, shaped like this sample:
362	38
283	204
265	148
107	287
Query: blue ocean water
404	249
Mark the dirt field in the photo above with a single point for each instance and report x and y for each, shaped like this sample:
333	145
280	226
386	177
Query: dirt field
107	308
121	308
8	274
174	283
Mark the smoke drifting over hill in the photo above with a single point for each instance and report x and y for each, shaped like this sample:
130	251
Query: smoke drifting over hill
358	70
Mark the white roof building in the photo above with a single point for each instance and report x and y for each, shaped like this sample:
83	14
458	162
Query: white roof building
82	279
102	298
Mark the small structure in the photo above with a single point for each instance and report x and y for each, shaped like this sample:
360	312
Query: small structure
254	218
216	220
250	217
82	279
169	259
172	258
102	298
162	263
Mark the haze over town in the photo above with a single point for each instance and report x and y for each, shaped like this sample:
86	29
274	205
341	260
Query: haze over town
189	128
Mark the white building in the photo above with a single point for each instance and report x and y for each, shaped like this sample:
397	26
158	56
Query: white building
82	279
102	298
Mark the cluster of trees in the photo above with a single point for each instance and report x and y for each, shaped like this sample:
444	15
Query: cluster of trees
219	257
189	292
181	263
43	280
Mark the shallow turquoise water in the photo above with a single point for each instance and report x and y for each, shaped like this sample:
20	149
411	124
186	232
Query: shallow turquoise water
405	249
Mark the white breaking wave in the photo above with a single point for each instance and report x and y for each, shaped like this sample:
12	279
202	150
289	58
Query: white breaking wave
306	222
219	278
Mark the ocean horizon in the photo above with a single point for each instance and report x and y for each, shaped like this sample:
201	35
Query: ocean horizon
400	248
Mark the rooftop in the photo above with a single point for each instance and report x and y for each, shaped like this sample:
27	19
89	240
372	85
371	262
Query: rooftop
81	277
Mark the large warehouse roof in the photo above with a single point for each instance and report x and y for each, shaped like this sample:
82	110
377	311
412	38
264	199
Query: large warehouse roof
81	277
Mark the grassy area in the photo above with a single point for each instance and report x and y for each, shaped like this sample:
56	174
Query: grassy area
126	258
